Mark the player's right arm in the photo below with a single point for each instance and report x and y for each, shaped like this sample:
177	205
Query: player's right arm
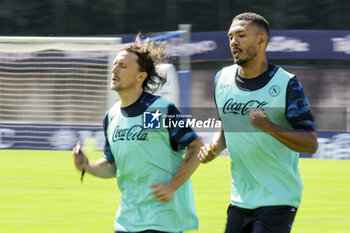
208	152
100	168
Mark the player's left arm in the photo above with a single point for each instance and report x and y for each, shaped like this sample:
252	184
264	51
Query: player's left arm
180	138
165	191
299	140
302	138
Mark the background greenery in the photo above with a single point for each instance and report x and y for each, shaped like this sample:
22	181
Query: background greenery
41	192
111	17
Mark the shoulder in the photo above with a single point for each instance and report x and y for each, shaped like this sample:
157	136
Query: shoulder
282	72
294	89
111	113
295	93
226	74
229	69
298	111
115	107
162	103
294	83
147	99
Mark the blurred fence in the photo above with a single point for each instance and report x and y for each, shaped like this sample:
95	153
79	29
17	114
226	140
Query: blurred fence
325	87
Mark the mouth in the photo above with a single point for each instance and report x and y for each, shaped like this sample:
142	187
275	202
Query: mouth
115	82
115	79
236	51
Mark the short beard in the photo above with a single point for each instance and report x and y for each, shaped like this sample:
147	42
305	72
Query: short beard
252	53
241	62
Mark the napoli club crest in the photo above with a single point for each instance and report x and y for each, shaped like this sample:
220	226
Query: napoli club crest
274	90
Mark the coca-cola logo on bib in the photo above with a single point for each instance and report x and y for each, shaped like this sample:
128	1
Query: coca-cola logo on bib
135	133
242	108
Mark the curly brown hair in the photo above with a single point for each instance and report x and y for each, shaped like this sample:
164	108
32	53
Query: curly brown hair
149	55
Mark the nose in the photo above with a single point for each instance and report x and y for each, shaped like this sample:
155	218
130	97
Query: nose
115	68
234	42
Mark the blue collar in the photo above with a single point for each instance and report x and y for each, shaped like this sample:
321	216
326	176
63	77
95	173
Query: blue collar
253	84
139	106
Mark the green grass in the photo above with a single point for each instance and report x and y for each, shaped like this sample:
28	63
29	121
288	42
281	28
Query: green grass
40	192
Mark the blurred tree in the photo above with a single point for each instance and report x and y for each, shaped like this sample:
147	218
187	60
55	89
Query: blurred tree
26	17
170	15
110	17
145	15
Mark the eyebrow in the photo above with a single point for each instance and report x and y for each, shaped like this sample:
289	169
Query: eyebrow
230	33
120	62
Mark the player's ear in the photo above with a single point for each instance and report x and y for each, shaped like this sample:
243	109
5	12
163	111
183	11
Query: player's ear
142	76
262	39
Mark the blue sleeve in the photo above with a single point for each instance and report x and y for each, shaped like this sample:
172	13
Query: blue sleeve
180	137
216	78
107	149
215	82
298	112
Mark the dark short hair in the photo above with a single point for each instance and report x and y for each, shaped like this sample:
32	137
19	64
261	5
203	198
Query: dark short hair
256	20
149	55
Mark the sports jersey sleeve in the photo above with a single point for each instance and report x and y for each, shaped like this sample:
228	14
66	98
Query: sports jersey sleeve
107	149
215	82
298	112
180	137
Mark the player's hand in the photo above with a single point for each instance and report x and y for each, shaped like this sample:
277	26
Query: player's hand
80	160
259	119
163	191
207	153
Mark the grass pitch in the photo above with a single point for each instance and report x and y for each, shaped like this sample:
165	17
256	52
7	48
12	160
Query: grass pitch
41	192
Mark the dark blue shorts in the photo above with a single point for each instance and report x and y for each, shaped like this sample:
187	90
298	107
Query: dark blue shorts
269	219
